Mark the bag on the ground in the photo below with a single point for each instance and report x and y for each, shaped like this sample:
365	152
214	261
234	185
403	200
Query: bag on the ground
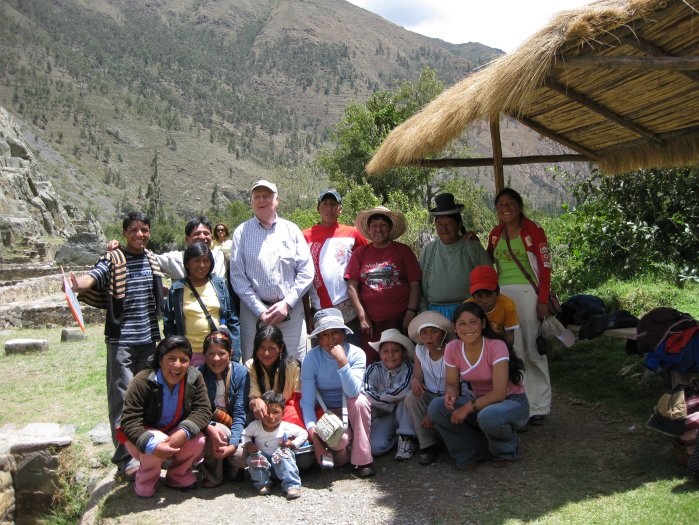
596	325
330	429
672	405
579	308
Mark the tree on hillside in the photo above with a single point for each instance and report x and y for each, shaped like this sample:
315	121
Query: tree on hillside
154	195
363	128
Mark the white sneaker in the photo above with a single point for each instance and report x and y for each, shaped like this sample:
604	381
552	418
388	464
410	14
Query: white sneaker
326	461
406	448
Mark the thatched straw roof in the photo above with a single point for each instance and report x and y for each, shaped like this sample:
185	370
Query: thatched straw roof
616	81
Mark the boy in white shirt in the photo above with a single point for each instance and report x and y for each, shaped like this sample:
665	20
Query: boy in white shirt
270	443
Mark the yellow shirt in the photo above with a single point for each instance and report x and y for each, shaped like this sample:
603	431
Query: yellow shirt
196	326
504	313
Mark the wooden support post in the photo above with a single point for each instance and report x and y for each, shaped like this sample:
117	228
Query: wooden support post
497	153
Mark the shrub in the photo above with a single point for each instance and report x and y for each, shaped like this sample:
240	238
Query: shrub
642	223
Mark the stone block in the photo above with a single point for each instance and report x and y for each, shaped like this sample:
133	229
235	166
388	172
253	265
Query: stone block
100	434
7	503
34	436
5	481
72	334
22	346
36	472
29	506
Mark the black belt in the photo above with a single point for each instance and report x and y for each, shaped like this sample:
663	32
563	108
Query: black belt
269	303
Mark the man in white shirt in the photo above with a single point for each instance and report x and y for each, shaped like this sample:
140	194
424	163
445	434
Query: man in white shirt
271	269
331	245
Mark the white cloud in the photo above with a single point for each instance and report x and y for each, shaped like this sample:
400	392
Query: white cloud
503	24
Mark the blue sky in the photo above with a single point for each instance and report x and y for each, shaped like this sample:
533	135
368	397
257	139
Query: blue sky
503	24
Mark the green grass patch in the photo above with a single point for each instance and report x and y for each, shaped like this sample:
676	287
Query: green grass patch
65	384
645	293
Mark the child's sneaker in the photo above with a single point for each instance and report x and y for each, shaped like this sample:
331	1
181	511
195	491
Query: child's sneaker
326	461
406	448
263	490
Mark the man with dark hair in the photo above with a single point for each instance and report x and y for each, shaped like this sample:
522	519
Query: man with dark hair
131	280
197	229
331	245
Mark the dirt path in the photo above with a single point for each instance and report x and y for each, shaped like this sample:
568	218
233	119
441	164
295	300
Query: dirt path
576	455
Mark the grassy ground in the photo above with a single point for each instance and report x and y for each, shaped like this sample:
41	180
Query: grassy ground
64	385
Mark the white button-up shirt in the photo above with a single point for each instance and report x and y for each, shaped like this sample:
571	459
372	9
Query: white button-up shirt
270	264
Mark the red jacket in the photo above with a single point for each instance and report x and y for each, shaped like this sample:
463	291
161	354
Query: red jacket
534	241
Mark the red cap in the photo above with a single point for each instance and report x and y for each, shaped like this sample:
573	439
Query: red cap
483	278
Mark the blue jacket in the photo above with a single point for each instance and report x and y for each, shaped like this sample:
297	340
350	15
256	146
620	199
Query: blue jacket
238	384
173	317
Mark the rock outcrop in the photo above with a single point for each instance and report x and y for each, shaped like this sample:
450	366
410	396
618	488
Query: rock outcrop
34	223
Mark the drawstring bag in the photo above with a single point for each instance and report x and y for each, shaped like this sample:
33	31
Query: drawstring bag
330	427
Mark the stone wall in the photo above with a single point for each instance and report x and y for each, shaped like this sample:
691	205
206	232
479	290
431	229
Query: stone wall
29	460
22	315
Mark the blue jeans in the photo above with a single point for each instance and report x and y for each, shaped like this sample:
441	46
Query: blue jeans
123	362
492	430
282	462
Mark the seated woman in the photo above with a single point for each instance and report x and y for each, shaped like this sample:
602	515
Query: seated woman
227	387
165	412
333	371
200	304
487	422
271	368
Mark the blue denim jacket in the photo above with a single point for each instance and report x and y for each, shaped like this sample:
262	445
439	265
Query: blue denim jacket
173	317
238	391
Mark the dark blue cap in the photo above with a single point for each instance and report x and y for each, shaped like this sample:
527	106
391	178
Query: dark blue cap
332	193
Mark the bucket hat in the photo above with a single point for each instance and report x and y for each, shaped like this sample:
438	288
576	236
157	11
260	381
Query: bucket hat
327	319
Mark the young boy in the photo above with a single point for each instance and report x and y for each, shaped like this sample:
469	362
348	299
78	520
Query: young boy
386	383
269	443
500	309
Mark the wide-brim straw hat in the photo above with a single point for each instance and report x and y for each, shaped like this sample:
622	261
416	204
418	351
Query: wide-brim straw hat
328	319
393	335
429	318
400	225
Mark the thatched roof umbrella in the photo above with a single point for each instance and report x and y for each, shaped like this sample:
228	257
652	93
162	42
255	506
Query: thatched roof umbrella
617	81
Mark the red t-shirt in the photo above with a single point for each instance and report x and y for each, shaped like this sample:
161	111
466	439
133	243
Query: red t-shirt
384	275
331	249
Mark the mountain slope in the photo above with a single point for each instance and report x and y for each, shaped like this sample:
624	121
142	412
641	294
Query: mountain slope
223	91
